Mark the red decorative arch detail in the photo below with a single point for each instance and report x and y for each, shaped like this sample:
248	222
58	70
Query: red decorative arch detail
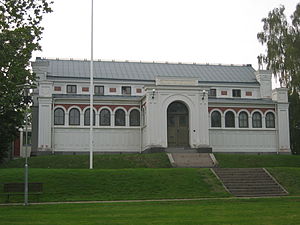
97	107
237	109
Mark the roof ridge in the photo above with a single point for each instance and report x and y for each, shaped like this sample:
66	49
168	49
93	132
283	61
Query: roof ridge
144	62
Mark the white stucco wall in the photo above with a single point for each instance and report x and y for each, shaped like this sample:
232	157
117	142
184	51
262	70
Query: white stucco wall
157	114
243	140
105	139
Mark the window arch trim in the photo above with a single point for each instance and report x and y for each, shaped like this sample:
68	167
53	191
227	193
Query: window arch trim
274	116
234	118
69	111
139	117
85	123
211	118
110	116
243	122
254	123
122	123
64	115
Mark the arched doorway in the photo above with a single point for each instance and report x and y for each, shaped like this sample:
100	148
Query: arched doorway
178	125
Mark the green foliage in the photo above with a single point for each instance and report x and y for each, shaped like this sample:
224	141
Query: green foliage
282	41
20	33
105	161
283	59
256	161
120	184
294	111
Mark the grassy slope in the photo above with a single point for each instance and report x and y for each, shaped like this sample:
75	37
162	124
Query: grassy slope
251	161
105	161
288	177
251	211
105	184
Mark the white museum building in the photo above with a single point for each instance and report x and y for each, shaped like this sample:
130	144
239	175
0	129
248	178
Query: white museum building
151	106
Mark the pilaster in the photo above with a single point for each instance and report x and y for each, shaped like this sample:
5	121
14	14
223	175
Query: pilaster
282	108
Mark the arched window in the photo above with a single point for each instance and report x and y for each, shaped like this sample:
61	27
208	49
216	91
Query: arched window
270	120
74	117
104	117
256	120
243	120
120	117
229	119
59	116
215	119
87	117
134	118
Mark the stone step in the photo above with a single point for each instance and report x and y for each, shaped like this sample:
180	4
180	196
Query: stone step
261	176
260	195
191	160
246	179
254	189
237	169
247	185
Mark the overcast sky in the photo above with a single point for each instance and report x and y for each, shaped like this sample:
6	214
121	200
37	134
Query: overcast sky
211	31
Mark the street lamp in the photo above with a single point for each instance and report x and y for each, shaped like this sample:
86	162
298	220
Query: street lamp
26	94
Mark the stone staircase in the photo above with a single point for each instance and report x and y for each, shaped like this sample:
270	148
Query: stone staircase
190	158
249	182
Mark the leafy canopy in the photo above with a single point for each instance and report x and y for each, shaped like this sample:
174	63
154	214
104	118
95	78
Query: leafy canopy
20	33
282	40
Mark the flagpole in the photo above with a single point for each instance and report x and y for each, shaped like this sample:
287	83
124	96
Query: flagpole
91	86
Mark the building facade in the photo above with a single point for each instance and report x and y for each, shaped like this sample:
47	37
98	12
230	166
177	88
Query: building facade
141	106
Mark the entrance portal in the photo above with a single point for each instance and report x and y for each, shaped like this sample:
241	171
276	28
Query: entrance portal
178	125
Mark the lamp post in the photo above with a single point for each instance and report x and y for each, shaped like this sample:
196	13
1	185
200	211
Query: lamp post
26	87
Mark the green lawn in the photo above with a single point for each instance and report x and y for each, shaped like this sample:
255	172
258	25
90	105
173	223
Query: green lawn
103	161
252	161
117	184
281	211
288	177
157	160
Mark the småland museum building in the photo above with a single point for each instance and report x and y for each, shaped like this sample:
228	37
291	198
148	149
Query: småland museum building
150	106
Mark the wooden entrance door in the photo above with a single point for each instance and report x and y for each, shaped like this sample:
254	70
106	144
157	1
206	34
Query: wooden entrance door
178	125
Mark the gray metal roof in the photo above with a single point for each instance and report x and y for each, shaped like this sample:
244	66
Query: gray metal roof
149	71
97	97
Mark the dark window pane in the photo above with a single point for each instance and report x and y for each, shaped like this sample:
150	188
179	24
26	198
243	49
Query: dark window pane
59	117
71	89
74	117
126	90
243	120
134	118
177	108
216	119
236	93
270	120
120	117
87	117
256	120
105	117
229	119
99	90
212	93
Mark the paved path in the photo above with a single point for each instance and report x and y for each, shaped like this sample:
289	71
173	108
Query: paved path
146	200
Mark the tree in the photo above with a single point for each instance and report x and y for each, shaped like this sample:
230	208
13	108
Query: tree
282	40
20	33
